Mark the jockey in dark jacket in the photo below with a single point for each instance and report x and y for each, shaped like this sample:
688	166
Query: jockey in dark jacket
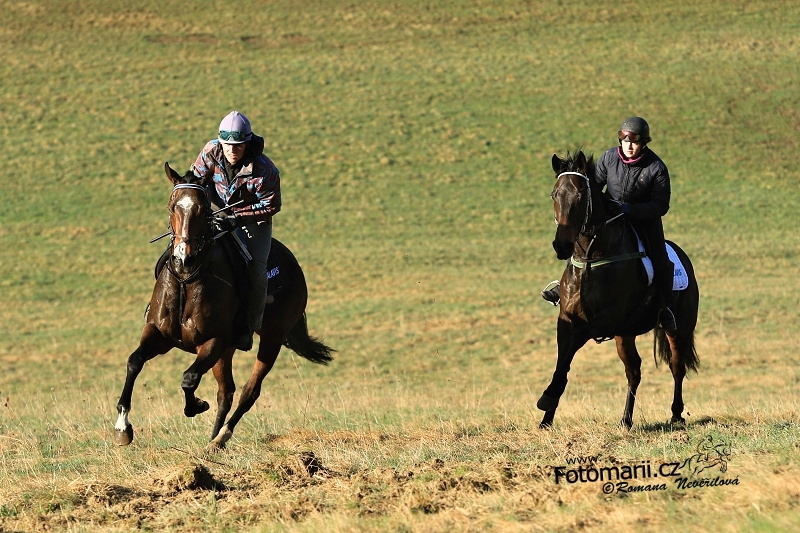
234	166
637	181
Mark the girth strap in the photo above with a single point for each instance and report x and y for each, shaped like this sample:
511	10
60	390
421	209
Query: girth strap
605	260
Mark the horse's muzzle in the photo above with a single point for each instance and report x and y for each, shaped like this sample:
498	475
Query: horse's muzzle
563	249
185	264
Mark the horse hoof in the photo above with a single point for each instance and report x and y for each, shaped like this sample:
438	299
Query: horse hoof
123	438
547	421
200	406
627	424
547	403
215	447
217	444
678	421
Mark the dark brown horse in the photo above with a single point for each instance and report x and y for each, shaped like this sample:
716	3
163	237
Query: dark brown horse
604	290
194	304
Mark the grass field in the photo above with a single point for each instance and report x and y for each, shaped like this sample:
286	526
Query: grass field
414	141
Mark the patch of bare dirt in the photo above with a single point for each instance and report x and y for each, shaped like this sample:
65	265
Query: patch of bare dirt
289	488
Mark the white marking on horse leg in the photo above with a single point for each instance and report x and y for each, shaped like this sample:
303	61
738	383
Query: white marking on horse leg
122	421
222	437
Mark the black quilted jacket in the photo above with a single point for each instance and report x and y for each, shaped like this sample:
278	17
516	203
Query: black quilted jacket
643	183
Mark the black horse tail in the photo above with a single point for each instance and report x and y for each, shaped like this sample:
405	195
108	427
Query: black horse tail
685	345
299	341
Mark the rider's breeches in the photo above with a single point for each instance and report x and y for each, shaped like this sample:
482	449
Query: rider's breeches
652	231
258	239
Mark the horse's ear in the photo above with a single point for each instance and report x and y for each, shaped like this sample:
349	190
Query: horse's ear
580	160
171	174
557	163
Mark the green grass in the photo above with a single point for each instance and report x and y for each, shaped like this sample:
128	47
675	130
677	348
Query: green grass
414	141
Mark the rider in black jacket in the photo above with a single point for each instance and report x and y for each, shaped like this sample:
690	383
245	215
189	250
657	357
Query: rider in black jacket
637	181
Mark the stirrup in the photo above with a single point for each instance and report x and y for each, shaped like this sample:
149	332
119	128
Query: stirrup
666	319
551	293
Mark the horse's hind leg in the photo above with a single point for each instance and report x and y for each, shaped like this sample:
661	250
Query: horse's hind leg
626	349
151	344
223	373
267	354
677	365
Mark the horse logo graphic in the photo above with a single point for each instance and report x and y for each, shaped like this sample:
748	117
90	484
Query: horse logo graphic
709	455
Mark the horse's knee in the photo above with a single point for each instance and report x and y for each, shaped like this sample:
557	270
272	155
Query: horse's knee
191	380
136	361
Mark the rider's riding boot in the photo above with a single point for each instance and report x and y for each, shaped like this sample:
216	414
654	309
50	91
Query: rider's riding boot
666	318
243	340
551	293
258	297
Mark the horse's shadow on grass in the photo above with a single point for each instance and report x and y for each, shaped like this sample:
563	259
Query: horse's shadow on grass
667	427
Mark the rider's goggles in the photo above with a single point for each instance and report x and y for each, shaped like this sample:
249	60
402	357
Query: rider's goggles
236	136
628	136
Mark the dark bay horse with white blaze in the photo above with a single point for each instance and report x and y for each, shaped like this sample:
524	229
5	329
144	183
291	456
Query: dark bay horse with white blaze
604	291
193	307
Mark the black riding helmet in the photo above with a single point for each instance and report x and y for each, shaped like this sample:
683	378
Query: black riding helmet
635	129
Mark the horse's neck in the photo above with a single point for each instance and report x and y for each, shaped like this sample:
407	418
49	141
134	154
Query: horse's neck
615	238
604	239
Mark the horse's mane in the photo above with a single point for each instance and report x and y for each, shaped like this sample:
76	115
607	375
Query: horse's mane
572	165
189	177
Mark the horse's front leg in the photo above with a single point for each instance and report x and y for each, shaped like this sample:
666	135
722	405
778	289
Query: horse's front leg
568	344
223	373
626	349
267	354
151	344
207	356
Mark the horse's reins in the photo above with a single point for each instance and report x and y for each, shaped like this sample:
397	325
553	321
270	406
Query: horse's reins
585	261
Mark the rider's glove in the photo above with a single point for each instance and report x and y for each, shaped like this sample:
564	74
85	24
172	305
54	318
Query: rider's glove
228	223
625	209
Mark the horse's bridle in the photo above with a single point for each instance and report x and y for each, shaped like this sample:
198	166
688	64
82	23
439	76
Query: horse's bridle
589	197
202	240
594	231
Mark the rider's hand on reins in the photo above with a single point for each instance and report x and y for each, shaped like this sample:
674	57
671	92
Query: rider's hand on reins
228	223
